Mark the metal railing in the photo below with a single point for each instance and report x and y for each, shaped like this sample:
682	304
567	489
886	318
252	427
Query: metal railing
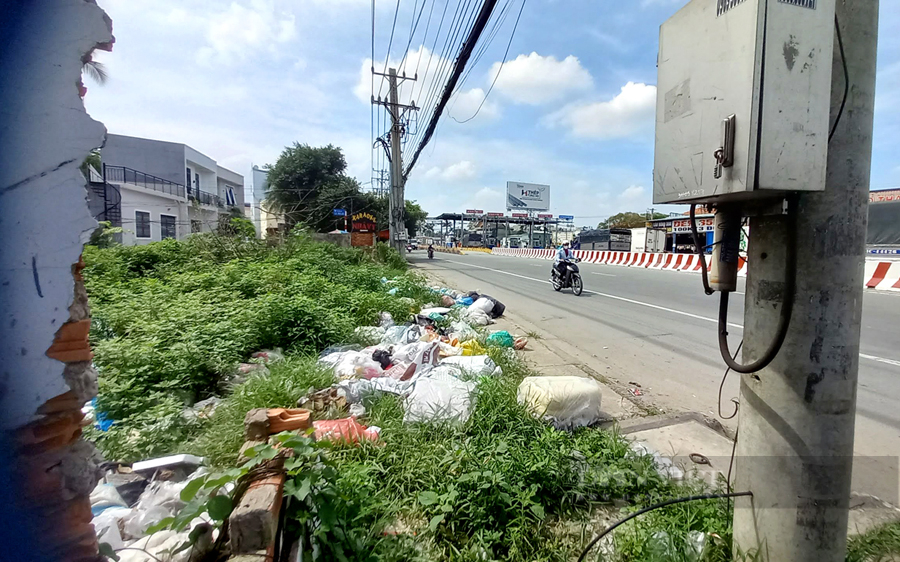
122	174
205	198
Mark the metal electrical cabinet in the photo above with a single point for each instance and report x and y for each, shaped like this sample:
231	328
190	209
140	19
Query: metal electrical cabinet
743	98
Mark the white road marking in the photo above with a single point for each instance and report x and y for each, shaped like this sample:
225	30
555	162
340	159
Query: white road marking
663	308
880	359
604	274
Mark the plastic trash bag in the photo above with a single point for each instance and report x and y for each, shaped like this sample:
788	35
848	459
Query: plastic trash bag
413	334
483	304
382	357
462	331
357	364
472	347
160	500
338	349
106	525
439	397
385	320
499	307
393	335
267	356
346	430
434	310
478	365
478	317
370	333
105	496
420	353
448	350
465	301
501	338
567	402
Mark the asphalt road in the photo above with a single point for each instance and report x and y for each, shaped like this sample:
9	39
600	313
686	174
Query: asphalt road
658	329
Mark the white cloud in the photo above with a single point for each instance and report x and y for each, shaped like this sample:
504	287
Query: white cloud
459	171
534	79
465	105
632	193
462	106
241	30
629	114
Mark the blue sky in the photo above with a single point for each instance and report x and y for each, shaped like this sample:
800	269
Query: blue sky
573	107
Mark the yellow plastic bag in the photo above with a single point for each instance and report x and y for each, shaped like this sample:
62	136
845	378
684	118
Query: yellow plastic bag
472	347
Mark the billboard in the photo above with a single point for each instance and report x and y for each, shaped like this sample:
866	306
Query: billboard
527	196
474	212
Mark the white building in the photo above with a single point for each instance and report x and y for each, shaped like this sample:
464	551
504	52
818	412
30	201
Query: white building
159	189
266	220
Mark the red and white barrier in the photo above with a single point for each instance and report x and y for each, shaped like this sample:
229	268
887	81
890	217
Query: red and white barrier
883	275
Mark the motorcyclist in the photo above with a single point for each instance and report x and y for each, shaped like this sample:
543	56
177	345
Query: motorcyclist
562	255
430	250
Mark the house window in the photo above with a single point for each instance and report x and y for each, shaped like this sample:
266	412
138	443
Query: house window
167	226
142	224
195	226
197	181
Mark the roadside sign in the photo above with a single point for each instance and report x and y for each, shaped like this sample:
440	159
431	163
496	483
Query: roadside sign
340	212
474	212
520	215
545	216
496	214
566	217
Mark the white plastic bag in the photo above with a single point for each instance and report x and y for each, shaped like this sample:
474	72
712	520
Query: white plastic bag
434	310
420	353
462	331
106	525
105	496
439	397
370	333
478	317
393	335
478	365
158	501
356	364
483	304
565	401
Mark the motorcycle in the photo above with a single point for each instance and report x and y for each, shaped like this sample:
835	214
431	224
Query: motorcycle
431	253
572	279
409	248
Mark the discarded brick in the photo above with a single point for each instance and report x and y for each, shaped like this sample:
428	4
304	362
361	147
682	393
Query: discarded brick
253	522
256	425
242	455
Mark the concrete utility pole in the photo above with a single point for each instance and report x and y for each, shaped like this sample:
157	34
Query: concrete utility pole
397	200
795	446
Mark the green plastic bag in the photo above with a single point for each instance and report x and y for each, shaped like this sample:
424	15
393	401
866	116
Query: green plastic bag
501	338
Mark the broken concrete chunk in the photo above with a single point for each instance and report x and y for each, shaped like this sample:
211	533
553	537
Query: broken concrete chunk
256	425
253	522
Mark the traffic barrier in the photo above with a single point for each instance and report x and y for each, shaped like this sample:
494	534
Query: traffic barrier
882	275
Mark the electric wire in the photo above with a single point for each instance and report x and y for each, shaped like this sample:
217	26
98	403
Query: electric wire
700	251
412	32
722	386
390	43
787	304
458	67
666	503
837	119
494	82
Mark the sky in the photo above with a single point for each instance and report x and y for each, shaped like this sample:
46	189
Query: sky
572	107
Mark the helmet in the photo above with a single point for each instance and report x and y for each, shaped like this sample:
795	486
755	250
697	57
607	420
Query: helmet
566	244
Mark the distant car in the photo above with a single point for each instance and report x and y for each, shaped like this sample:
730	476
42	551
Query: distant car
414	244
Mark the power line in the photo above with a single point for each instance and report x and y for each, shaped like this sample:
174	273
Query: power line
458	68
499	70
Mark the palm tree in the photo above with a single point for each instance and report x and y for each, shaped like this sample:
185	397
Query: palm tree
96	70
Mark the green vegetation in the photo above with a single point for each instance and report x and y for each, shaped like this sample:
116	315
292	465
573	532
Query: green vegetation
880	544
629	220
172	320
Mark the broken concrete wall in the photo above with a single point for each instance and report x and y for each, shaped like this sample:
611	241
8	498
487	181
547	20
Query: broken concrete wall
45	367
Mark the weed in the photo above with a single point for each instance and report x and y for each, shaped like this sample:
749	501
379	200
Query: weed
879	544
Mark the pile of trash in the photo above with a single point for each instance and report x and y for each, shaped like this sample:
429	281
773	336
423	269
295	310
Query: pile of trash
434	361
130	499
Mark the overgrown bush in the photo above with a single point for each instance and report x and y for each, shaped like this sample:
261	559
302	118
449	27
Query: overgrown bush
172	319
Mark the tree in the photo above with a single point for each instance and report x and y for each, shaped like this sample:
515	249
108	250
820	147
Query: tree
628	220
415	217
301	176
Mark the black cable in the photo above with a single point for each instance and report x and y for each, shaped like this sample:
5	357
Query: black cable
700	251
499	70
458	67
722	385
657	506
837	119
390	43
787	305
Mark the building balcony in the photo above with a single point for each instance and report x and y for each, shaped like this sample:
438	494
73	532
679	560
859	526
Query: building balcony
205	198
121	174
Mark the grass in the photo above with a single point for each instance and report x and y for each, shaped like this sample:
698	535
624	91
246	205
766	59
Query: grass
220	438
880	544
